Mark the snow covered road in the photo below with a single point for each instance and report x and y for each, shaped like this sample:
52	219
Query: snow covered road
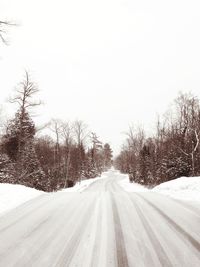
101	226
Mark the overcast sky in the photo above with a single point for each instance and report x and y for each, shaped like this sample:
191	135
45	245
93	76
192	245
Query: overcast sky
110	63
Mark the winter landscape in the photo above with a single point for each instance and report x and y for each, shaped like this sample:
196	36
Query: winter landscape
99	133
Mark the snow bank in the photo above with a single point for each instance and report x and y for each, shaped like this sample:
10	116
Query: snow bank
84	184
12	195
185	188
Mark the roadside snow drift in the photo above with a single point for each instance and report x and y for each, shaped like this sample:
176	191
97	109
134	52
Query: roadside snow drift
185	188
82	185
12	196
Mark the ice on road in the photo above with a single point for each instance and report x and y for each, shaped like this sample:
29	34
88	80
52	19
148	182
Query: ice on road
101	226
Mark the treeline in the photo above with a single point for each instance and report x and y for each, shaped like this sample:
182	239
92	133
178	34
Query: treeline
51	162
172	152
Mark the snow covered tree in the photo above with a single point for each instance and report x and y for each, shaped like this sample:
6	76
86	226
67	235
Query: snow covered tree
107	156
19	131
6	169
31	173
90	166
19	138
172	152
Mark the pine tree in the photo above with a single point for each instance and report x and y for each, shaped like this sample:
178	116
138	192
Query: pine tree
90	166
19	131
6	169
32	174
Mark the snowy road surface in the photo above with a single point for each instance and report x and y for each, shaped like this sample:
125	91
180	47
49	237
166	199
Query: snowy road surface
101	226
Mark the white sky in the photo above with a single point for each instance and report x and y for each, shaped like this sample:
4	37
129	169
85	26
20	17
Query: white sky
108	62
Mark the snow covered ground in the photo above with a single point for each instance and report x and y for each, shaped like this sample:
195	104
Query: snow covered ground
101	226
12	196
185	188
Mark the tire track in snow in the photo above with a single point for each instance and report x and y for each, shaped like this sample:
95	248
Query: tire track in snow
72	244
178	228
35	225
17	253
40	243
97	243
122	259
162	256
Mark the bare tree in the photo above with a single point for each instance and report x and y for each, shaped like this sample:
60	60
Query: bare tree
67	135
80	131
56	127
42	127
25	92
4	25
136	138
23	97
188	111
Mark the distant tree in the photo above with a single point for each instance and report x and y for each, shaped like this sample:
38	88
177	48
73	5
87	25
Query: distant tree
80	132
55	127
107	155
96	154
67	136
80	136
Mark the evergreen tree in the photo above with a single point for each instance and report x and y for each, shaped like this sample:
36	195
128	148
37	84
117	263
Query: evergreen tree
6	169
19	131
19	139
31	173
90	166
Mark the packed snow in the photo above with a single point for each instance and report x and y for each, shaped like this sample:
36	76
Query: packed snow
185	188
12	196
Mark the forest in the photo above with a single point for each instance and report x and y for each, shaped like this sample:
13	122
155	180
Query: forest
69	153
173	151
